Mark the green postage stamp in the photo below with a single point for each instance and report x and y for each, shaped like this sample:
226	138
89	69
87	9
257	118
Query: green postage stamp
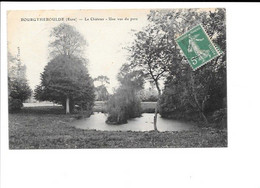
197	47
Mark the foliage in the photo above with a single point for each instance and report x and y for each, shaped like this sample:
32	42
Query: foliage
122	106
101	90
188	93
220	118
153	52
14	104
18	88
125	104
102	79
148	53
66	77
148	95
101	93
66	40
16	69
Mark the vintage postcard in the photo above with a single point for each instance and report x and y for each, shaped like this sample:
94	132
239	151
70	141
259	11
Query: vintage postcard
132	78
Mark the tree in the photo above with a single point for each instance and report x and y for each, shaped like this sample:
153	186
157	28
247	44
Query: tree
125	104
102	93
102	79
66	40
18	88
101	90
202	89
66	81
149	53
156	53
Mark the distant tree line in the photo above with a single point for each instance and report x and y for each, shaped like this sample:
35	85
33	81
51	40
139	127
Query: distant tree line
101	90
148	95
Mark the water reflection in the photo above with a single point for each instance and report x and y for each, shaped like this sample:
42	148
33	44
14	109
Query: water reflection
144	123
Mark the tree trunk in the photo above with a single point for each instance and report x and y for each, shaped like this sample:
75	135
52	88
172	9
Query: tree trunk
204	117
156	107
155	117
67	105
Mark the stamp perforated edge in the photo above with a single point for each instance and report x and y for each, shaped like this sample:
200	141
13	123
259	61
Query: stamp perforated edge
209	39
218	53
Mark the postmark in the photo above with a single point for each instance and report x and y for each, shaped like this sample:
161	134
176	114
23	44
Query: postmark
197	47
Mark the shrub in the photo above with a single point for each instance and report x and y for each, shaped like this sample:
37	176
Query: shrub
122	106
219	117
148	95
14	104
174	106
19	91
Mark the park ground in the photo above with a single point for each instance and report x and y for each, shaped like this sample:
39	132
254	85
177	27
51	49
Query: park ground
49	128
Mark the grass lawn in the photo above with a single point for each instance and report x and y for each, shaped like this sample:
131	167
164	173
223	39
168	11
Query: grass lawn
49	128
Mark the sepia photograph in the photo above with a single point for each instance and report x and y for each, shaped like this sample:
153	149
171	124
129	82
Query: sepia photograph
129	95
132	78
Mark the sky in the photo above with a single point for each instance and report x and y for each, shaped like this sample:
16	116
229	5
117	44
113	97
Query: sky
105	38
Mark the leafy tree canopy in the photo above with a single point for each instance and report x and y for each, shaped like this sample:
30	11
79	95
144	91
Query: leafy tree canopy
66	76
125	103
66	40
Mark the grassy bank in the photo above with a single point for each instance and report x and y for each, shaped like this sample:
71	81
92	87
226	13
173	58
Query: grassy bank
49	128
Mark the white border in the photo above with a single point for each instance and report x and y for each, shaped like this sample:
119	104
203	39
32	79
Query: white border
236	166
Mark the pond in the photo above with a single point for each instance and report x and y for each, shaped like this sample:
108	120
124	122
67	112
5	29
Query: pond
144	123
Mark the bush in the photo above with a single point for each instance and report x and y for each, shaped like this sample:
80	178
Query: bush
171	106
151	98
116	111
148	95
18	91
122	106
219	118
14	104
